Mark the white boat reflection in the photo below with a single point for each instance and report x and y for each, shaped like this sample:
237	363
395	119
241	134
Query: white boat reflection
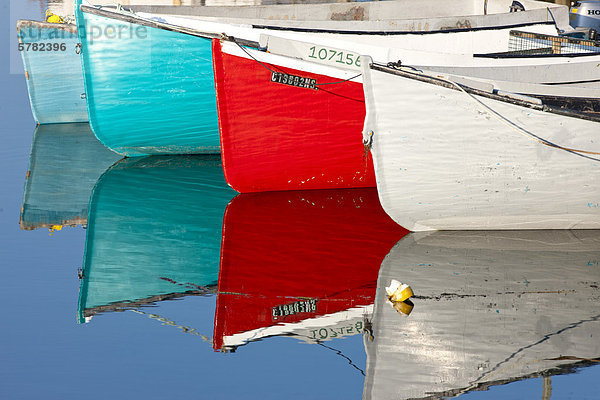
489	308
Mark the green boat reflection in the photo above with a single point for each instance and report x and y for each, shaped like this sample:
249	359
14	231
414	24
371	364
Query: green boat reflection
154	232
66	161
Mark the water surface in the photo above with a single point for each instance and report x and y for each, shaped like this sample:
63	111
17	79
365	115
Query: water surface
149	278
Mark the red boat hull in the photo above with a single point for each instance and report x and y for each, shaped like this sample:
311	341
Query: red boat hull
281	250
281	137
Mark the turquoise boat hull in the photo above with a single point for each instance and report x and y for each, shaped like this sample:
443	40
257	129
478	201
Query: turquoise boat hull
53	72
149	91
65	162
154	232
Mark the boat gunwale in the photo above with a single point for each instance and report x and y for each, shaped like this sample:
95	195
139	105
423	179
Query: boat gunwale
394	33
47	25
422	77
505	55
112	12
137	20
151	301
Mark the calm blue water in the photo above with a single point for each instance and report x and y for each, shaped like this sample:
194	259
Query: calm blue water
170	276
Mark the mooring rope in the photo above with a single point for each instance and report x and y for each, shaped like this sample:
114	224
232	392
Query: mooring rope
168	322
339	353
281	70
505	120
251	56
521	130
334	83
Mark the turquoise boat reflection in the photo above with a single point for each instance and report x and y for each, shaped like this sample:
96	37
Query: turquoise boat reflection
490	308
65	162
154	232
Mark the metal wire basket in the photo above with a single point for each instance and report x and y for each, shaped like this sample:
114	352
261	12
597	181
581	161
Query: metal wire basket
527	43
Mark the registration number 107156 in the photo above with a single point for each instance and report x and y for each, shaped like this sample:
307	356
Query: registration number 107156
337	56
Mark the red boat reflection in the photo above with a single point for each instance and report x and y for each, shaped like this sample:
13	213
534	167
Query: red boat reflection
300	263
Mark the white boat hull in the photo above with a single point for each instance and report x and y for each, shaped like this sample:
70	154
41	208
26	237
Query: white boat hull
447	160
